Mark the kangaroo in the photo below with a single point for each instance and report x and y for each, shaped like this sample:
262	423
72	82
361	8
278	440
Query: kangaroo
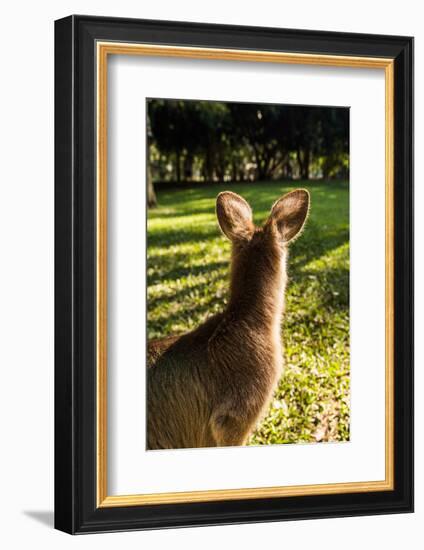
211	386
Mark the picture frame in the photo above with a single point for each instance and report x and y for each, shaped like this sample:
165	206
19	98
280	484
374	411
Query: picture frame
83	45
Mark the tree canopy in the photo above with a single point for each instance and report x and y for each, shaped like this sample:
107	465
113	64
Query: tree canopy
213	141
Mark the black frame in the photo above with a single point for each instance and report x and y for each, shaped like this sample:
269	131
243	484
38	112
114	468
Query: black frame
75	274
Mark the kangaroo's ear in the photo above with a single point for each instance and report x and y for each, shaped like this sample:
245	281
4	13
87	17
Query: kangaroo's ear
289	214
234	216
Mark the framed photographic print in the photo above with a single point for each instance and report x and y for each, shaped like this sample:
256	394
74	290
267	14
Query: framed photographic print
234	268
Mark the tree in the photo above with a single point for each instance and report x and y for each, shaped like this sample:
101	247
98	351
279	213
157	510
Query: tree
151	195
335	143
218	141
264	129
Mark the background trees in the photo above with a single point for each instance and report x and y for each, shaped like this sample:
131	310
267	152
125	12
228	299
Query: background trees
207	141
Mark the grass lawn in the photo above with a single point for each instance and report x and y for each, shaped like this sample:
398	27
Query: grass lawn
188	264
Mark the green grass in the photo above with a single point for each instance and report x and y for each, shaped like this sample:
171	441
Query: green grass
188	263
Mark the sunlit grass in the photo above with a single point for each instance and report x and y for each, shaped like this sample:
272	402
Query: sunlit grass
188	262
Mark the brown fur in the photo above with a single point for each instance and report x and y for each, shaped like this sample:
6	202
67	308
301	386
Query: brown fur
210	387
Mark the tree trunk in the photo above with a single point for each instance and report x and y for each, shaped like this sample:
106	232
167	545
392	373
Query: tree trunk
151	195
188	166
208	166
178	165
307	164
303	158
234	170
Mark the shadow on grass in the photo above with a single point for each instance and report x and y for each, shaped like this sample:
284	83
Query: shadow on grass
192	289
327	229
171	236
200	199
172	270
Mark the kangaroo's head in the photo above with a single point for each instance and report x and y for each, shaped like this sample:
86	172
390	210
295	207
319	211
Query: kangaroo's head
259	254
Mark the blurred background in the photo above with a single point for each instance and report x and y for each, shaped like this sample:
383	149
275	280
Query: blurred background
207	141
197	149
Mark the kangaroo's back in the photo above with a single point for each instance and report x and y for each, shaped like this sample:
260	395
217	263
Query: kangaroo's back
209	387
178	386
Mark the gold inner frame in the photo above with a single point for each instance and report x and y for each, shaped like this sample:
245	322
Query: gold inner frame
104	49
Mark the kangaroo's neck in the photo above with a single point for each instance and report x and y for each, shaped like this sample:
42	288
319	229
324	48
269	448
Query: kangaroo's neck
257	289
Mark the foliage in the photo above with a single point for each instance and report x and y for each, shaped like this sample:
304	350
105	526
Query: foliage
188	261
217	141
